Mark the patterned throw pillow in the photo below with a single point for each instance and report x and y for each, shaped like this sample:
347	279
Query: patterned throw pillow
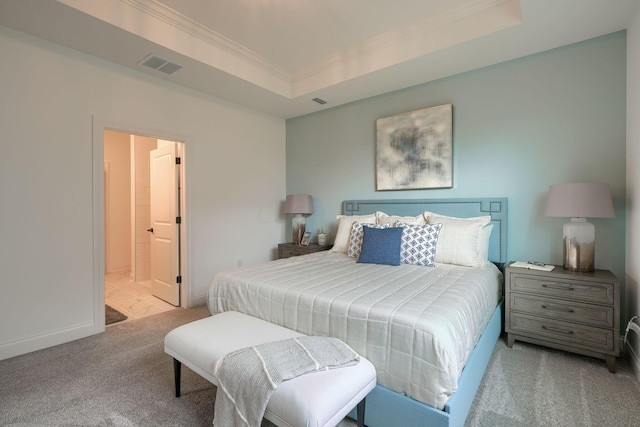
418	245
381	246
355	239
341	242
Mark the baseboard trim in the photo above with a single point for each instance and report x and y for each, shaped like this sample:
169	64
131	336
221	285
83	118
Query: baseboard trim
198	301
39	342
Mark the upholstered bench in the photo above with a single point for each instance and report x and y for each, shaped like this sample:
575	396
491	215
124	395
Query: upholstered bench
317	399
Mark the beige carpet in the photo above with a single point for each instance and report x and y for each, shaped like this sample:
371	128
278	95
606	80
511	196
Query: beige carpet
123	378
529	385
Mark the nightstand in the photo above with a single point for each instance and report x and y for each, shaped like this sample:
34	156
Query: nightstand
286	250
566	310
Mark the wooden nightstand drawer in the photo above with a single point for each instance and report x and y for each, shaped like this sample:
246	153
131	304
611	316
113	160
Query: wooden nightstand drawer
576	290
588	314
563	332
571	311
287	250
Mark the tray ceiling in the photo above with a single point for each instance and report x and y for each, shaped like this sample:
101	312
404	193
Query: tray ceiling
278	55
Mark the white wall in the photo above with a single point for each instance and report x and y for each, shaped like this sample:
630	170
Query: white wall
50	95
633	184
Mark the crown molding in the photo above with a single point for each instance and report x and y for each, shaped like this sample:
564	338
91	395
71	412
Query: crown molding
154	21
396	39
193	28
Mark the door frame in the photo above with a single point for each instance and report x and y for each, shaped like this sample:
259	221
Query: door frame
99	126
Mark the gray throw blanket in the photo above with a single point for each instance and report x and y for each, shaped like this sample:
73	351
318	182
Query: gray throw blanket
246	378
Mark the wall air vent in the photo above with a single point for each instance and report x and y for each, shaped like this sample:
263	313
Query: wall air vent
319	101
159	64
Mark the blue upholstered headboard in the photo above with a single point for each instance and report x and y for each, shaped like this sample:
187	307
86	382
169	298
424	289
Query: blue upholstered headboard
462	208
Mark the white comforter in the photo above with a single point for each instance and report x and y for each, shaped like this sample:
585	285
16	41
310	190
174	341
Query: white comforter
417	325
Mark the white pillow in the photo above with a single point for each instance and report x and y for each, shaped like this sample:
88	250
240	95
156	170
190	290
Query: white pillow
462	241
341	242
383	218
483	242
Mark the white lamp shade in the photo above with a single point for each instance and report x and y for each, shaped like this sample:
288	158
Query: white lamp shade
298	204
580	200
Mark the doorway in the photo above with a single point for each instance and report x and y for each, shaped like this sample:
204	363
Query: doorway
131	246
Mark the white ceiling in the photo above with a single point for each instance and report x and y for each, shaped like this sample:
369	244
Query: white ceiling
277	55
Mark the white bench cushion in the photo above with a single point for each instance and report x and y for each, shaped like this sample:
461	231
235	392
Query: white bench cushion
318	399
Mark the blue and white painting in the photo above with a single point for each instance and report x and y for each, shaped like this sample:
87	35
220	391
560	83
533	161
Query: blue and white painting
414	150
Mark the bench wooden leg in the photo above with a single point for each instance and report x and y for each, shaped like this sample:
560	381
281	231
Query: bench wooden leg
360	412
177	367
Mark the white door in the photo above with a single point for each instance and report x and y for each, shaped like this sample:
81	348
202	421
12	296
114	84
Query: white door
165	228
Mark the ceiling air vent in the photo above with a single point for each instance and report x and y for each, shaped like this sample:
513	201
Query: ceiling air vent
159	64
319	101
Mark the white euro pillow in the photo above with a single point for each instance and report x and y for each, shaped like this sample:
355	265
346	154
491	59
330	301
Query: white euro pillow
341	242
462	241
383	218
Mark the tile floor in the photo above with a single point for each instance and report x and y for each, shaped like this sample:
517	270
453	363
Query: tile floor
134	299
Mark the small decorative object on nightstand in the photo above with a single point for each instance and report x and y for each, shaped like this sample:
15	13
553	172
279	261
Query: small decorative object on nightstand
322	238
306	238
566	310
286	250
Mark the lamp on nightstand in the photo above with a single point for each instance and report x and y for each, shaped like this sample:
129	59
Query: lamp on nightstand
298	204
579	201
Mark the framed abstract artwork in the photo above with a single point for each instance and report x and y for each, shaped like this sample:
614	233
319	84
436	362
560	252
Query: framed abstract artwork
414	150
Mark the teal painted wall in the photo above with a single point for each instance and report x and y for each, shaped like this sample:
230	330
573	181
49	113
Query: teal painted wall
519	126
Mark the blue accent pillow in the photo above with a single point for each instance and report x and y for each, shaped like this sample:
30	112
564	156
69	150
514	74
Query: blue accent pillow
381	246
355	240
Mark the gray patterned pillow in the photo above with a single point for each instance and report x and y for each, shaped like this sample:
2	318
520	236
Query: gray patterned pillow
418	244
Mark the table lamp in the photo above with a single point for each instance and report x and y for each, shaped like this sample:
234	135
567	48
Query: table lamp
579	201
298	204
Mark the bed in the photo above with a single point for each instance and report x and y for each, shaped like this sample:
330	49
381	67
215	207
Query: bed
428	325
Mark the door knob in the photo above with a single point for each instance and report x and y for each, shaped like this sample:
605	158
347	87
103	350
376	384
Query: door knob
150	229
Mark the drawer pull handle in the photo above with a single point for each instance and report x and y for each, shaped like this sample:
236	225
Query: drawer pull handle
555	286
568	310
552	329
